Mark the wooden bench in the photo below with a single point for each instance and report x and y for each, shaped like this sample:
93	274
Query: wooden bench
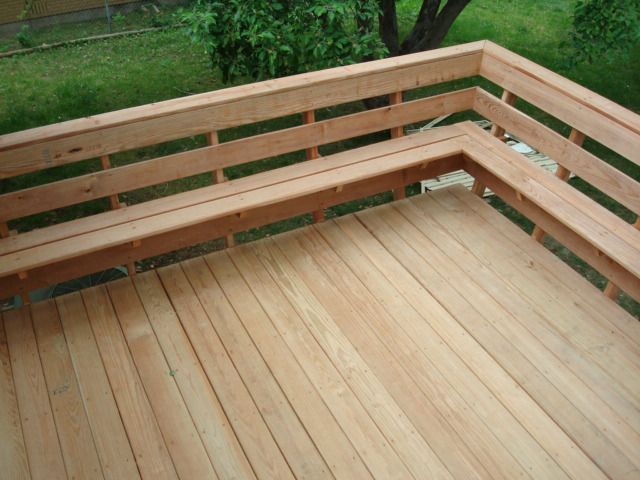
125	234
572	218
161	225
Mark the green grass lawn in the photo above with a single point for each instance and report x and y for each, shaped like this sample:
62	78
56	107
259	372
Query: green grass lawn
71	82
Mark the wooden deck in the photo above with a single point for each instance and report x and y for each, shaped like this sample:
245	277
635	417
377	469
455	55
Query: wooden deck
428	338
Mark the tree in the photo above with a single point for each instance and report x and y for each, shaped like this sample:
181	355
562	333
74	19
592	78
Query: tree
433	21
266	38
602	28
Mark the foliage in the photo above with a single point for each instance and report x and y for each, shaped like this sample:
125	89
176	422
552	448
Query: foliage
24	37
603	27
263	39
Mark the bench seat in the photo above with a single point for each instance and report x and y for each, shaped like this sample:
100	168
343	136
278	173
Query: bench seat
19	254
607	233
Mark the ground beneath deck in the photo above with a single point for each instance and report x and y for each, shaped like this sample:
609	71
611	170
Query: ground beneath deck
428	338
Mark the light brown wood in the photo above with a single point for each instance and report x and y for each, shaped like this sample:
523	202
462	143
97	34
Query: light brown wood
218	437
429	337
288	431
163	169
558	103
395	98
260	447
199	233
381	459
326	432
605	231
106	164
497	131
579	245
611	110
13	454
116	457
152	457
99	240
115	204
426	338
311	154
408	375
178	430
366	385
532	276
470	305
563	174
218	177
76	441
611	290
584	164
578	419
134	212
38	425
118	131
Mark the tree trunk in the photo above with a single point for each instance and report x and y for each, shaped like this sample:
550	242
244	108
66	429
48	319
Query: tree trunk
431	26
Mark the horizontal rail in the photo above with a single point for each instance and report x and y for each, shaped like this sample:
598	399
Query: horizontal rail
163	169
614	112
59	144
581	115
601	175
201	195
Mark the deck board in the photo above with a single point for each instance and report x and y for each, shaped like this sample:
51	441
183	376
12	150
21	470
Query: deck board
427	338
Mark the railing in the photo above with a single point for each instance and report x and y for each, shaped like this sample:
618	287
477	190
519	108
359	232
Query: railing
590	115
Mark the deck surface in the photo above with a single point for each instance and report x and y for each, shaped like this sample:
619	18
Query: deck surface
428	338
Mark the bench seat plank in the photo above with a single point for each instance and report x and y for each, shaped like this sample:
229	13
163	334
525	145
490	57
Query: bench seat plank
132	231
135	212
606	232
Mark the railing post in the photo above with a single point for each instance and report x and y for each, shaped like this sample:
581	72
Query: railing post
218	177
563	174
510	99
612	290
396	132
312	153
106	165
115	204
4	230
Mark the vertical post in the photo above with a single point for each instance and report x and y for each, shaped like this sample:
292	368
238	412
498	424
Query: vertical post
108	13
312	153
612	290
113	199
396	132
563	174
510	99
218	177
4	230
115	204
